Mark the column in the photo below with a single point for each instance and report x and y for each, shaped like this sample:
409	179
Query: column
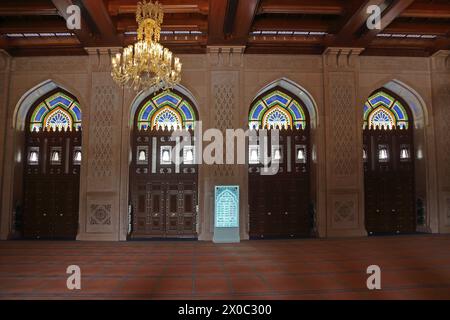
225	101
440	77
343	121
5	64
101	180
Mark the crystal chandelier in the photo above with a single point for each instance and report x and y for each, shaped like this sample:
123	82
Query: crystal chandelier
147	64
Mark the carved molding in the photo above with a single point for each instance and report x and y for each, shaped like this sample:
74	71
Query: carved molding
4	60
342	58
100	58
100	214
441	61
344	211
226	56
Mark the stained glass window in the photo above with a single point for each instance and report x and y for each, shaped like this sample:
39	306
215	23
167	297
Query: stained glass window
58	112
382	111
167	110
277	110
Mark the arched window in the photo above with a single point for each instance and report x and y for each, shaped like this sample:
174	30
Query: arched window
57	112
382	111
167	110
277	110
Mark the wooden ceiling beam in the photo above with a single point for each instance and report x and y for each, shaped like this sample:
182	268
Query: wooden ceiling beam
27	8
118	7
355	17
33	24
388	16
85	33
270	23
98	13
216	21
245	15
182	21
427	10
429	27
322	7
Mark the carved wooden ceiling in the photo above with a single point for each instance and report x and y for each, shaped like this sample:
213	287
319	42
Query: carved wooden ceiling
408	27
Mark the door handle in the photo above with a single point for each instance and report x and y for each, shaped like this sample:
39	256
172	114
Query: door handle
394	211
44	214
378	211
61	214
286	213
269	213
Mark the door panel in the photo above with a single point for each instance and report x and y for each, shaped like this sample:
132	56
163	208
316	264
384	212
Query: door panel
51	186
163	195
389	184
279	203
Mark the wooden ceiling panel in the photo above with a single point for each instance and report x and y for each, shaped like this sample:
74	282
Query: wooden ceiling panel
409	27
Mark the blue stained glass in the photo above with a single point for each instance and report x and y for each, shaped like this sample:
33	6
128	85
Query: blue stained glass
278	98
257	112
186	112
167	98
296	112
399	112
77	112
58	119
62	100
380	98
277	118
40	113
147	113
166	119
366	108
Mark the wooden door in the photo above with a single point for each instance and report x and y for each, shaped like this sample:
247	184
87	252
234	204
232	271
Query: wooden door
163	195
51	185
389	181
279	203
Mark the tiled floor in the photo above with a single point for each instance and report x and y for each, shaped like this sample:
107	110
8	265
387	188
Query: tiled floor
413	267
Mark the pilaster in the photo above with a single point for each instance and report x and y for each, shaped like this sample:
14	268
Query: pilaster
344	178
101	179
5	68
440	77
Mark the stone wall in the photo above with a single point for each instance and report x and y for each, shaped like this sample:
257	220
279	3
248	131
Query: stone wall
224	82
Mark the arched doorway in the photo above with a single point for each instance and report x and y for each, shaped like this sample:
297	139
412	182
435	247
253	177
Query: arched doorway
164	185
388	153
279	203
51	177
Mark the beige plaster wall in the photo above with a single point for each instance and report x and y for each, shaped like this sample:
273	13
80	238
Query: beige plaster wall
224	82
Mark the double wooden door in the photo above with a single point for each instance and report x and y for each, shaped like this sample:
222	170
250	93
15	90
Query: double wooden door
164	209
51	185
279	204
389	181
163	192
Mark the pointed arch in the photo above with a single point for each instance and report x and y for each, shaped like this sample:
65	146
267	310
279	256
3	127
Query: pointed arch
297	91
384	110
45	89
277	108
181	101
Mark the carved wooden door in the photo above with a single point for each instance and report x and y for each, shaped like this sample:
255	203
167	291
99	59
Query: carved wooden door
51	185
163	194
279	203
389	181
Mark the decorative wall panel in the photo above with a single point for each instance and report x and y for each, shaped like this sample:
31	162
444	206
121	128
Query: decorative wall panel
343	119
